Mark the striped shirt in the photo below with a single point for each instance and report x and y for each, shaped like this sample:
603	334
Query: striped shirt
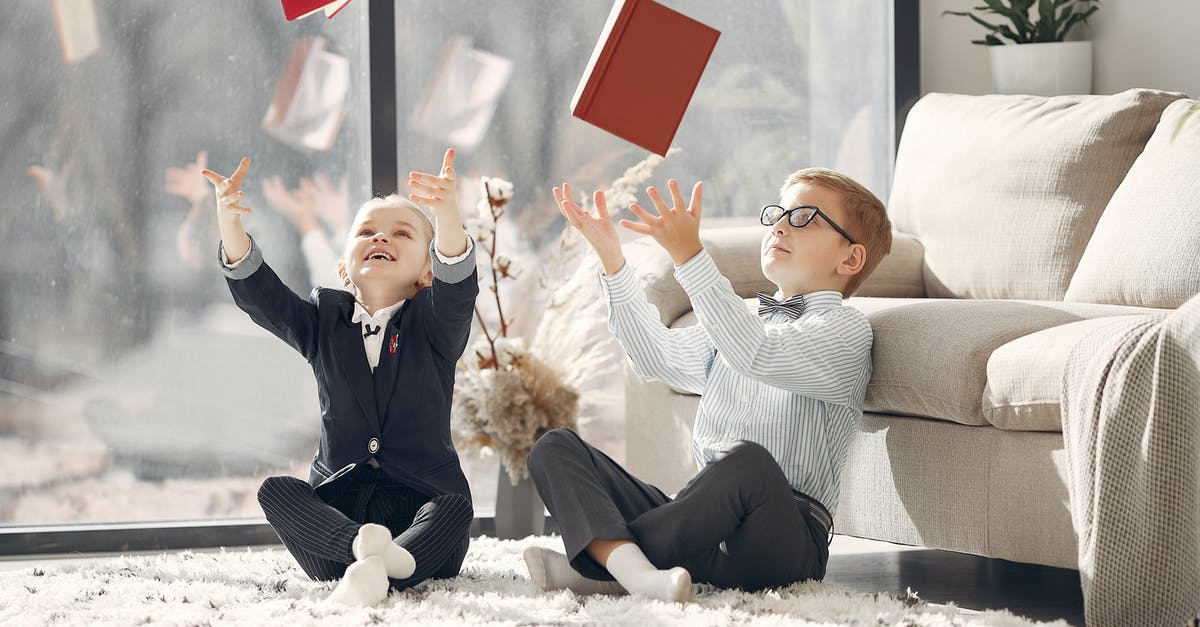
794	386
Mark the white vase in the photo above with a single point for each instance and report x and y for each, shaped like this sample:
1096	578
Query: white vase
1050	69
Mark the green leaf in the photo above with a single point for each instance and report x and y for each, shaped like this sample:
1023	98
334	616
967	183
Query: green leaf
1019	19
1053	21
1074	19
1046	26
1007	32
1046	12
1022	6
976	19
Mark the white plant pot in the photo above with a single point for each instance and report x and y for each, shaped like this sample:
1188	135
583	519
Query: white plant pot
1050	69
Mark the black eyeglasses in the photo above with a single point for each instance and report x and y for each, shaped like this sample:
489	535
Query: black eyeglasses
798	217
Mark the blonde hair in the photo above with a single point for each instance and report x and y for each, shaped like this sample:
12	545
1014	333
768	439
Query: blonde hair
396	200
866	217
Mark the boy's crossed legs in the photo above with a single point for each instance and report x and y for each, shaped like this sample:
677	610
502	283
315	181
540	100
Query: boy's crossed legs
433	535
735	525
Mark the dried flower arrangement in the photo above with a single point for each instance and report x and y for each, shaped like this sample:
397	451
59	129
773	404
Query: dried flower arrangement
508	394
505	398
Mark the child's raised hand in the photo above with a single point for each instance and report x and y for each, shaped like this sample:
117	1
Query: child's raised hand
598	230
229	190
436	191
676	227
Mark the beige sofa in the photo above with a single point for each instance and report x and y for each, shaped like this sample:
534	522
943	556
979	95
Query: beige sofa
1022	222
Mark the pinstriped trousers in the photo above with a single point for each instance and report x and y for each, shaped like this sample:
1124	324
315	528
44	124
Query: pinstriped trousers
319	534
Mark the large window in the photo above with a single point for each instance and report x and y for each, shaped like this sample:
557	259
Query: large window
131	389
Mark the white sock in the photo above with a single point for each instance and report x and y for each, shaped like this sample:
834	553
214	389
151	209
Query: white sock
551	570
375	539
631	568
365	583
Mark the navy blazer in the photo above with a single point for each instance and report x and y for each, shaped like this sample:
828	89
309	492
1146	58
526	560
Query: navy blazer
400	415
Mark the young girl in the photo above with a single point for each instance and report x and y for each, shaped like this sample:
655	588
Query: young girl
386	504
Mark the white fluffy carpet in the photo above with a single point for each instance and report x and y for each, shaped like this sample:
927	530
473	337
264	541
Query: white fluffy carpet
266	587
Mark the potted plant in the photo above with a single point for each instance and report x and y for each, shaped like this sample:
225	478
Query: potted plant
1029	56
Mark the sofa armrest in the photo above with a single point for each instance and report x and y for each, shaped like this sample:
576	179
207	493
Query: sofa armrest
736	253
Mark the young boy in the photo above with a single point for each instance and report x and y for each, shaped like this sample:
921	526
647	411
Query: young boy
398	510
781	394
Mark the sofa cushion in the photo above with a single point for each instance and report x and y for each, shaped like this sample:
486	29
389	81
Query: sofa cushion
734	250
930	356
1146	248
900	273
1005	191
1025	376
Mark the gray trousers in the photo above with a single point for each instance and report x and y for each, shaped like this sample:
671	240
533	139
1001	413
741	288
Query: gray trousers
735	525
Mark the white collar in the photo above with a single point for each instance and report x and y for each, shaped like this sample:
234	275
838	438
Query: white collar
820	299
381	317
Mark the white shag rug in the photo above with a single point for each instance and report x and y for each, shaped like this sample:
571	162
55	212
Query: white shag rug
267	587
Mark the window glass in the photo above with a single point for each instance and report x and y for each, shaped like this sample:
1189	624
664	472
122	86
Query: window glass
131	388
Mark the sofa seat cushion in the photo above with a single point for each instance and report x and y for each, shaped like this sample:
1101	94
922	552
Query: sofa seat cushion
1025	376
930	356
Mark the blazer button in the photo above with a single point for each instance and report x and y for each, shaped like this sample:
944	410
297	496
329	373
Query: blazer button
373	446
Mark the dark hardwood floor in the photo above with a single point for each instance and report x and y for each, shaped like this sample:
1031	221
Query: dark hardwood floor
1037	592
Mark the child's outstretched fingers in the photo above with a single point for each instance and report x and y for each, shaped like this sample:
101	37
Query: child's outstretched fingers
601	203
240	174
229	190
694	206
597	230
659	204
436	191
648	224
565	208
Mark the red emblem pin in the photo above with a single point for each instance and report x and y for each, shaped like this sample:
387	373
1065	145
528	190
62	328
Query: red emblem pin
395	341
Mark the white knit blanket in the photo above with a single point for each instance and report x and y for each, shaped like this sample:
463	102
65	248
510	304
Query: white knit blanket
1131	426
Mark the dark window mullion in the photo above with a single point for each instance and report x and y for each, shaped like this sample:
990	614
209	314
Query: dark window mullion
382	35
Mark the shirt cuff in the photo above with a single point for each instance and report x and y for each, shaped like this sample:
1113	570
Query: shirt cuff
453	260
452	269
620	286
698	273
243	267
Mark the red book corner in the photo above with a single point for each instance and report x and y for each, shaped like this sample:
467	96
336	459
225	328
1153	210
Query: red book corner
296	9
643	72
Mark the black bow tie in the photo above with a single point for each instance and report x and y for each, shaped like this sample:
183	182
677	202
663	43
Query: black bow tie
791	307
369	332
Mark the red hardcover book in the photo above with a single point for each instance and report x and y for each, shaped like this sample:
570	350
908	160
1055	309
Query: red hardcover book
643	73
296	9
